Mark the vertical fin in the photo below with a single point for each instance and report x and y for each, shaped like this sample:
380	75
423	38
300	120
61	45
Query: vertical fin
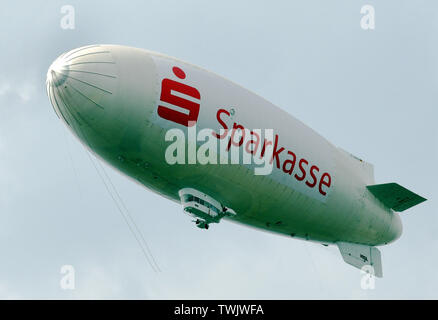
359	255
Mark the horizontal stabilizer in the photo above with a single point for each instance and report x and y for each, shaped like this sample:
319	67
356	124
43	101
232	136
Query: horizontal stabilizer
395	196
359	256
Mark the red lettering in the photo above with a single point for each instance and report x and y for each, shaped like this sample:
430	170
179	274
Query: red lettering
300	164
312	174
324	183
288	166
276	152
291	162
256	143
265	144
233	131
222	123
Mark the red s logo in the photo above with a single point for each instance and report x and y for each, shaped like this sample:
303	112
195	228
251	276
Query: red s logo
167	86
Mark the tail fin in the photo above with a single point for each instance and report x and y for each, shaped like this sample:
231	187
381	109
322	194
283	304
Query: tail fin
359	256
394	196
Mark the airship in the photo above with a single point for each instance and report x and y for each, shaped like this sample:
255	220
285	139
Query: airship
223	152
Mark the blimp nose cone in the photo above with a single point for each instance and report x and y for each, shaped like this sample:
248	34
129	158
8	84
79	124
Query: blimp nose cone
81	82
106	95
58	71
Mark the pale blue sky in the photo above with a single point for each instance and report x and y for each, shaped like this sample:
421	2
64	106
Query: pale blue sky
373	93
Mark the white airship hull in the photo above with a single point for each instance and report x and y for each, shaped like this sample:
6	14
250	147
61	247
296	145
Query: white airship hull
113	99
